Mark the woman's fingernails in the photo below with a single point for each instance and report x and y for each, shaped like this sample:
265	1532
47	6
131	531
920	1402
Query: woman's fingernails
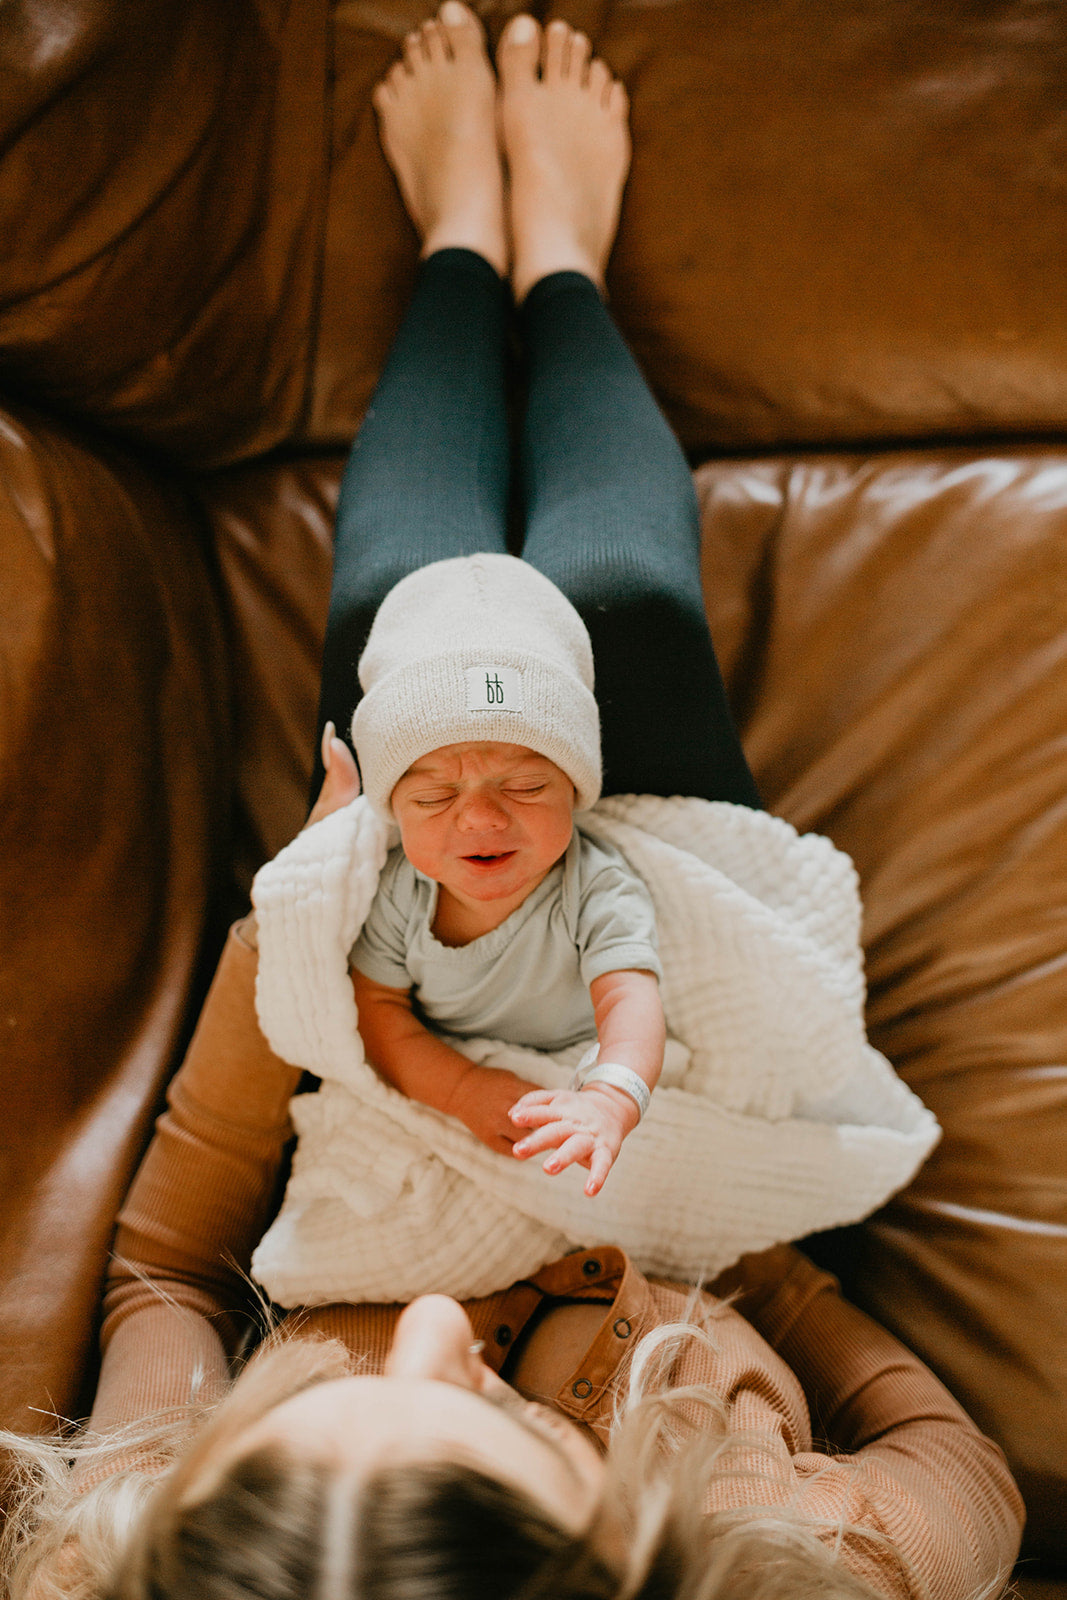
327	736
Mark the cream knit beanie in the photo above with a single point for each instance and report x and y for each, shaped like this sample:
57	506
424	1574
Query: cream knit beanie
476	648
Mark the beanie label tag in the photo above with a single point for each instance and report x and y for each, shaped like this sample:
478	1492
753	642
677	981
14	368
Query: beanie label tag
494	689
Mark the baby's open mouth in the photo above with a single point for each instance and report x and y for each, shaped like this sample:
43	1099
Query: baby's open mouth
486	860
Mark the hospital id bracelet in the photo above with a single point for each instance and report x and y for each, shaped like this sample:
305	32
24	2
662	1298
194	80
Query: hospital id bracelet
618	1077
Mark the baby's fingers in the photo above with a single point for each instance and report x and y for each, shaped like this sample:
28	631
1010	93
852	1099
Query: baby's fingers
579	1147
534	1109
599	1167
548	1137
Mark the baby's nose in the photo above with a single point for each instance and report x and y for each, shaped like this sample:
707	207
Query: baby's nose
482	810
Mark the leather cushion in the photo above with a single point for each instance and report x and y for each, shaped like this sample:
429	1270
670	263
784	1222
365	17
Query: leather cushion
832	233
113	791
842	224
161	205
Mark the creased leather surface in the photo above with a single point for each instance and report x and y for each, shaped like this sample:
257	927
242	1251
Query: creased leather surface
843	222
162	176
113	732
838	232
903	659
273	532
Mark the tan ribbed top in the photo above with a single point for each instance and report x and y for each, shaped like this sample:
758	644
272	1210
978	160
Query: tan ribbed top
894	1455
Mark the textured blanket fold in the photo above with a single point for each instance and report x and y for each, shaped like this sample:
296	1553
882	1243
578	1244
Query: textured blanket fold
774	1117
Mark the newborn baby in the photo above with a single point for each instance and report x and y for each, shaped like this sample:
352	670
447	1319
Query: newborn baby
497	916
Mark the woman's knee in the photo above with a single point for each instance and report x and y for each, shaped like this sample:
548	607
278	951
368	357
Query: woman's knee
636	588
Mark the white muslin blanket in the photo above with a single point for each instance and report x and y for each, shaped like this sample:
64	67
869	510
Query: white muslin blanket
774	1117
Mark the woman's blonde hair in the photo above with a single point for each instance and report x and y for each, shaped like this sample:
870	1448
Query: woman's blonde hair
276	1526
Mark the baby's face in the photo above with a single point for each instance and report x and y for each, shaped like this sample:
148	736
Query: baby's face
487	821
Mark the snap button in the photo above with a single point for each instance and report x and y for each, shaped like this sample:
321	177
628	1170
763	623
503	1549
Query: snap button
503	1334
622	1329
591	1267
582	1389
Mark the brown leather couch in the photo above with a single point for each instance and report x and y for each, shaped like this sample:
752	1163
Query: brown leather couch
841	266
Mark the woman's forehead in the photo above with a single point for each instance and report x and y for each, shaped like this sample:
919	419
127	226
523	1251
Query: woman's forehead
361	1423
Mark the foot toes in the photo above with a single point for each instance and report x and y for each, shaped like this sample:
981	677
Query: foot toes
618	99
578	57
386	91
599	80
462	28
556	49
434	41
519	50
414	50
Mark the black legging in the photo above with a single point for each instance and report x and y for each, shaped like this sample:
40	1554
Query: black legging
609	512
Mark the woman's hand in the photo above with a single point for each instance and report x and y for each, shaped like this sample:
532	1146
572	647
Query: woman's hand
341	783
482	1101
585	1126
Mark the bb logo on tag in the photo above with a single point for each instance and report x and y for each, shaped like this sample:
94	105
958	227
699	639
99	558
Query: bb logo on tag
494	689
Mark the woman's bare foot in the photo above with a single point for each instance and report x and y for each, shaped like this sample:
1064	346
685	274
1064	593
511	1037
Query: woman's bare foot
437	122
564	126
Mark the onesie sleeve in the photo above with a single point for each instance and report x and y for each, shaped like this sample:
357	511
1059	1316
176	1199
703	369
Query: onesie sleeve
380	952
616	919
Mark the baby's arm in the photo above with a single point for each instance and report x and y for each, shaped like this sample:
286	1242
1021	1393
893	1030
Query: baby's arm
425	1068
629	1023
588	1126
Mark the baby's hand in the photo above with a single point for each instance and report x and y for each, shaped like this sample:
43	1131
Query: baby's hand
483	1100
586	1126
